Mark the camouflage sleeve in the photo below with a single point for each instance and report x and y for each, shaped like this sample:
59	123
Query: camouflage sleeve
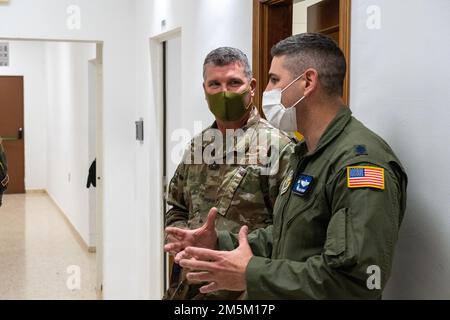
275	180
3	169
260	240
3	160
178	215
4	179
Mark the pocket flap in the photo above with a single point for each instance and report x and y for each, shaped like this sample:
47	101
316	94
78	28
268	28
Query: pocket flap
336	234
229	191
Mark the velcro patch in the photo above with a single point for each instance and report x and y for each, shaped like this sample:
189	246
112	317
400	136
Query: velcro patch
303	184
365	177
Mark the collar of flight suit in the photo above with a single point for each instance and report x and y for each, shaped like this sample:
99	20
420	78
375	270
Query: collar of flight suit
333	130
244	141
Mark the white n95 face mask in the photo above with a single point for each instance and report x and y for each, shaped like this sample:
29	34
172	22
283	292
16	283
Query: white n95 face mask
277	114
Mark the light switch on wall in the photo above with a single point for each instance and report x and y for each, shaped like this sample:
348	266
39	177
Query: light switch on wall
140	130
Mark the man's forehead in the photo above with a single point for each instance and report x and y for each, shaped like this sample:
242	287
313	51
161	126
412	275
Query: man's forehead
278	66
232	68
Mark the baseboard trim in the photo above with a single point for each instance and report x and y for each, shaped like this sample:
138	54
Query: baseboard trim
72	228
34	191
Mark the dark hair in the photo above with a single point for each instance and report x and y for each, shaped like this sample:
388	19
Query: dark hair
314	50
226	55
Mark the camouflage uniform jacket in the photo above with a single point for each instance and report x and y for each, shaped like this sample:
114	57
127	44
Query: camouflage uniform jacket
244	194
4	178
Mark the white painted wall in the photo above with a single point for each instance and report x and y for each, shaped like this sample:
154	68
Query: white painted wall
27	59
400	76
205	25
113	22
68	131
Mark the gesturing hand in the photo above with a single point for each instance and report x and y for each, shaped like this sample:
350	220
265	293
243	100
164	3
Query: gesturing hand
203	237
222	270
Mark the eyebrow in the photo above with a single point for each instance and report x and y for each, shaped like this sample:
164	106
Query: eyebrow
212	81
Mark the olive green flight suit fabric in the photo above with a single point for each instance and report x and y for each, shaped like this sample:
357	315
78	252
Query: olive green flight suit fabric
327	242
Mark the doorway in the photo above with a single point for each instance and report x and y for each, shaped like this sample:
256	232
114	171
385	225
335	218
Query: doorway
275	20
11	130
66	78
166	49
172	121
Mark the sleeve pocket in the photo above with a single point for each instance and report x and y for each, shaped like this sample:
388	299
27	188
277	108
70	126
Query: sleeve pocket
340	243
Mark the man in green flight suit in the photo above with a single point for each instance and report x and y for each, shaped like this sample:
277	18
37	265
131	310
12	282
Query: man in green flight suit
236	165
337	218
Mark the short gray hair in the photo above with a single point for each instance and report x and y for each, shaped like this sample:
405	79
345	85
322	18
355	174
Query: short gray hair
314	50
225	56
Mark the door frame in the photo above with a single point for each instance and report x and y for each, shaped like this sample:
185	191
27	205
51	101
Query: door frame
99	148
157	52
266	18
21	140
99	214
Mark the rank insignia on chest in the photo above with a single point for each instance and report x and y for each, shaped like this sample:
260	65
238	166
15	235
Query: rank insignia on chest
365	177
287	182
302	185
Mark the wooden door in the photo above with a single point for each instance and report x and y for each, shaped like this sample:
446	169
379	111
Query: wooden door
11	130
331	17
272	22
323	17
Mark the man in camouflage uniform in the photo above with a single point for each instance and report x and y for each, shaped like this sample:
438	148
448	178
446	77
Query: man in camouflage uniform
4	179
242	175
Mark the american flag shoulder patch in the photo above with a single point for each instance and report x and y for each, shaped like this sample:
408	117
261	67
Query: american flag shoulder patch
365	177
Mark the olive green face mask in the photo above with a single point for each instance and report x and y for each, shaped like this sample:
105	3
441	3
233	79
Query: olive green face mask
228	106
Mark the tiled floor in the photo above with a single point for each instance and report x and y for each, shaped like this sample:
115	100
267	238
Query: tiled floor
36	250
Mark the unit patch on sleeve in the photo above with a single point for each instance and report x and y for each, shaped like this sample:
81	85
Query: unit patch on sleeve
365	177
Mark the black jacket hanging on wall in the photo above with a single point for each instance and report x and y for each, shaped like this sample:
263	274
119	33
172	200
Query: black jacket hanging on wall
92	175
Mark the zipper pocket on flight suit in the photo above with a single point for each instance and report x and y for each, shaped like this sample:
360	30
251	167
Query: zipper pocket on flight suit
340	245
304	208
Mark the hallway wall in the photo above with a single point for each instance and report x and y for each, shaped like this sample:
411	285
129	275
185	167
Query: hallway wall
205	25
68	131
399	88
27	59
113	22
